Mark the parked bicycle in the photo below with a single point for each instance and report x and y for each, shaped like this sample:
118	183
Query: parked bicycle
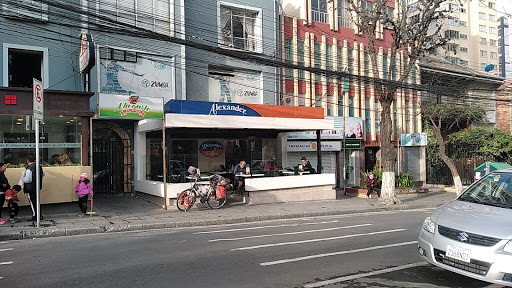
213	193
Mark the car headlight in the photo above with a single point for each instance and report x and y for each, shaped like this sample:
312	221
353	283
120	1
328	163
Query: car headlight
508	247
429	225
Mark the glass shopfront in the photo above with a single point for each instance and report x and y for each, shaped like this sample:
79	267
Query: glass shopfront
60	139
221	155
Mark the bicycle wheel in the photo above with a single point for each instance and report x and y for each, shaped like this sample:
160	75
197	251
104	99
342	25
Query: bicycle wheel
185	200
214	202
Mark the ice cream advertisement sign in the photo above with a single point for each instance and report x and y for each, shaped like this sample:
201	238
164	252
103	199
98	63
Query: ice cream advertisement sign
130	107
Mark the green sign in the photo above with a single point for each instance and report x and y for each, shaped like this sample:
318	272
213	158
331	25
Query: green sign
126	107
352	144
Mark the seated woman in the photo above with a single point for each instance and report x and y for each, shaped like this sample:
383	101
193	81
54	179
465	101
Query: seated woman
239	180
64	158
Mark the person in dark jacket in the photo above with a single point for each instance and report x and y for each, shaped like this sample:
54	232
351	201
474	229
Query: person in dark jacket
30	185
371	183
4	186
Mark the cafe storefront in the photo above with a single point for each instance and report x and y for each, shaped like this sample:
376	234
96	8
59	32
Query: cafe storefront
215	137
64	139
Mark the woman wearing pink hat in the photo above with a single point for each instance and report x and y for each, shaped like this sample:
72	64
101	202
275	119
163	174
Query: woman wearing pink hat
83	188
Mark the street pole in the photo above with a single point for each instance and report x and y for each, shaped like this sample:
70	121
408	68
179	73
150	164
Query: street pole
38	214
164	164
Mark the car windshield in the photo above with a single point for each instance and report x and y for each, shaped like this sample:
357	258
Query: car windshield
494	189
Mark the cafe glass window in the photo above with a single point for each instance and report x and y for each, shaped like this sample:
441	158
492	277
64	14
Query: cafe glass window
59	138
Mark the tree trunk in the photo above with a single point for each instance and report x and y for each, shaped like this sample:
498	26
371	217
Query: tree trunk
388	153
447	160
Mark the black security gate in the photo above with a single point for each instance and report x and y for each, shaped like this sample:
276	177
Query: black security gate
111	166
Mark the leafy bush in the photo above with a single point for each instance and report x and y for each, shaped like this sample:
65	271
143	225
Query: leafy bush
402	181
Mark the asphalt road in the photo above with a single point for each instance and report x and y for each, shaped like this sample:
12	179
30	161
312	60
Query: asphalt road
357	250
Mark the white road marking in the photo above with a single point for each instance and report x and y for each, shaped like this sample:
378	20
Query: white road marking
317	240
361	275
263	227
6	249
335	253
6	263
288	233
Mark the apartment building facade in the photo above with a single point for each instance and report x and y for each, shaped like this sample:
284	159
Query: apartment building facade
322	34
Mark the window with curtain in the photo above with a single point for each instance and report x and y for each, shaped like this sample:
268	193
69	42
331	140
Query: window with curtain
237	28
288	57
318	62
300	58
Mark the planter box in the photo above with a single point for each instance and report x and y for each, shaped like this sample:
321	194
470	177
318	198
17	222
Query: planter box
357	192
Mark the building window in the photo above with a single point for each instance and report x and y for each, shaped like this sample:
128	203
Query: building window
463	36
328	61
492	30
118	55
492	5
344	16
23	66
463	10
300	58
464	49
146	14
319	11
288	57
237	28
385	66
452	34
494	55
25	9
463	23
482	66
463	62
483	53
483	28
483	40
318	62
481	15
492	17
492	42
59	135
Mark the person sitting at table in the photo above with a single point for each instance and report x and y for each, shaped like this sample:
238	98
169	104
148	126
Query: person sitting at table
257	168
239	180
305	166
271	167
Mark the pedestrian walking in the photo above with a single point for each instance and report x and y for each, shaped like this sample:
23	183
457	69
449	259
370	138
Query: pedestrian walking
371	183
11	197
29	188
83	189
4	186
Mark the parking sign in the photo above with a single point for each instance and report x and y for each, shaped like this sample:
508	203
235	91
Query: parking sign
38	100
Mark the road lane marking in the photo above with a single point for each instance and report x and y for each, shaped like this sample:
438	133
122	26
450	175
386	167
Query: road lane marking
6	263
6	249
316	240
263	227
336	253
288	233
361	275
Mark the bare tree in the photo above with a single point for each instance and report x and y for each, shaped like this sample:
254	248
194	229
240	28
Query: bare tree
416	29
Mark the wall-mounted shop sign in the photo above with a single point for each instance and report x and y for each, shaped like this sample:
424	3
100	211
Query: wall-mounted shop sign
298	146
123	106
353	130
236	109
148	76
352	144
41	145
87	54
211	149
414	139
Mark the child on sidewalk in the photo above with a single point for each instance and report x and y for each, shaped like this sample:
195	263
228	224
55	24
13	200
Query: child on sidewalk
83	188
11	198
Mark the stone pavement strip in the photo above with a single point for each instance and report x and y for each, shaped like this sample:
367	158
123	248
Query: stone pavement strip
117	214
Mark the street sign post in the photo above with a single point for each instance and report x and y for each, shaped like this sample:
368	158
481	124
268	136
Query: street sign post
38	108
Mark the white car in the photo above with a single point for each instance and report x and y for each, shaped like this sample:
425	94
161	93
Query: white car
472	235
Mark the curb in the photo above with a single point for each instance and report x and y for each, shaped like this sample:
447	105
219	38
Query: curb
59	232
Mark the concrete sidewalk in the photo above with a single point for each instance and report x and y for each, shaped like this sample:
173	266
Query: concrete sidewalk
130	213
